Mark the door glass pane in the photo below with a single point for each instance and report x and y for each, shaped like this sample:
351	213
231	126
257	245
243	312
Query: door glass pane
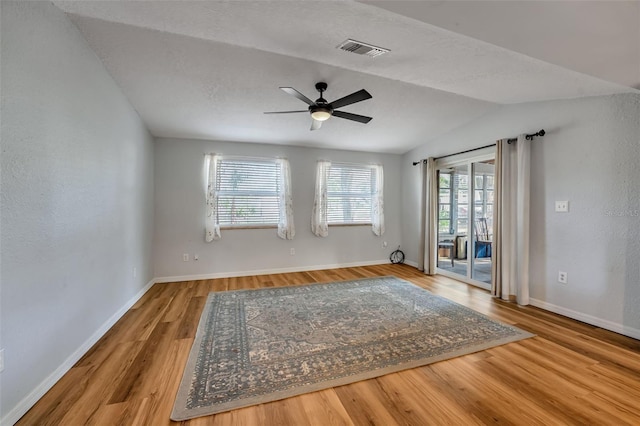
453	222
463	226
445	179
489	182
445	211
462	196
490	215
482	221
444	218
479	182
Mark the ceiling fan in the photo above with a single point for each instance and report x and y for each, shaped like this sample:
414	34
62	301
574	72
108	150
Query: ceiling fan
321	110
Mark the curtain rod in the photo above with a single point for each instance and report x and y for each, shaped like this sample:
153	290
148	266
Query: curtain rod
509	141
530	137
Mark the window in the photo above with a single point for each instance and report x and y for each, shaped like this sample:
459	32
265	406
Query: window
348	194
349	190
248	192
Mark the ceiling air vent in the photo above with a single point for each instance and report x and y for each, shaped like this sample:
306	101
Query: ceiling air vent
361	48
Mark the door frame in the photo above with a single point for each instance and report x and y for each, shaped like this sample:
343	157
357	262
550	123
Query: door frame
468	159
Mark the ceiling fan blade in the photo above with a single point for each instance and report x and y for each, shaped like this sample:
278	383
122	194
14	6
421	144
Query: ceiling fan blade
350	116
286	112
315	124
293	92
358	96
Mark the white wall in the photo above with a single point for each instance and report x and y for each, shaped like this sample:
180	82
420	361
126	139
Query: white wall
77	208
179	206
590	157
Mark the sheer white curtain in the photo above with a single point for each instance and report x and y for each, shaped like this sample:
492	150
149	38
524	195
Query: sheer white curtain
429	218
211	224
286	228
319	225
377	202
510	265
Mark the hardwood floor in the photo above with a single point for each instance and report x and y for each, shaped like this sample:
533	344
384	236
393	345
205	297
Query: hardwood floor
571	373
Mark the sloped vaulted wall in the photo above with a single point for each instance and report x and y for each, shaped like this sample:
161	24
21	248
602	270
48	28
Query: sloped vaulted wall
77	201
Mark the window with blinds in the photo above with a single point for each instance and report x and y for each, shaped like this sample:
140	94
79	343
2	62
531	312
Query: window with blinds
349	190
247	192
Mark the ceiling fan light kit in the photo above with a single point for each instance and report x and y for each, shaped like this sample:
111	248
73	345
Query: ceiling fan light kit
321	114
321	110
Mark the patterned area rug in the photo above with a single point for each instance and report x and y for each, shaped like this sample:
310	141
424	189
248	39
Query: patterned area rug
255	346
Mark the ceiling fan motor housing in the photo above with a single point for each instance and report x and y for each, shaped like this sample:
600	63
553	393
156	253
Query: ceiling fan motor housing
320	107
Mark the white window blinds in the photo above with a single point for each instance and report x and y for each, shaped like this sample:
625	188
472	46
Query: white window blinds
349	190
247	192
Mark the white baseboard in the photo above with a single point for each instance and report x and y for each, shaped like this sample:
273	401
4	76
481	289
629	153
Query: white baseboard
267	271
589	319
29	401
411	263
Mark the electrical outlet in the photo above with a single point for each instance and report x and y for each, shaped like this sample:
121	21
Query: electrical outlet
384	244
562	277
292	252
185	257
1	360
562	206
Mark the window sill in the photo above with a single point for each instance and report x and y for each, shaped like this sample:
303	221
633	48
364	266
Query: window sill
232	227
350	224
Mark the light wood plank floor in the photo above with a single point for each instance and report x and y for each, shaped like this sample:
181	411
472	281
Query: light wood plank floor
571	373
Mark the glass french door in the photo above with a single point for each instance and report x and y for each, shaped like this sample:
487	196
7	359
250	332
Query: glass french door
465	218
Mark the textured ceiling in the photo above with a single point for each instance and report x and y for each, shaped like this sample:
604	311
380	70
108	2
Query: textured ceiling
208	70
597	38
